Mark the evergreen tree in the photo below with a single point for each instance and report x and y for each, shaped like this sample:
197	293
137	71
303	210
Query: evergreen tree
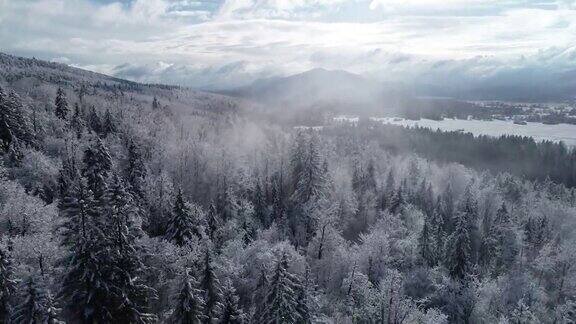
499	245
281	301
311	179
68	179
213	222
183	225
37	305
388	191
95	122
259	298
231	312
303	300
13	117
108	125
189	302
459	248
7	285
260	206
211	287
133	295
136	170
77	123
97	166
61	104
427	243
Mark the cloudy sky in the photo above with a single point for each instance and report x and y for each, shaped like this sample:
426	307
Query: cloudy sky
222	43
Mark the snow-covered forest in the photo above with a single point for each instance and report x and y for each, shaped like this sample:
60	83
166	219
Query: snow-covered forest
129	203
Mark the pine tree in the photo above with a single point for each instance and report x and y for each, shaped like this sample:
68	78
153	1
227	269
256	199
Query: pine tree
311	179
108	125
213	222
37	305
281	301
7	285
427	242
259	298
388	191
297	158
231	312
303	300
136	169
68	178
97	166
77	123
460	249
133	294
183	225
211	287
61	104
189	302
94	121
260	206
12	115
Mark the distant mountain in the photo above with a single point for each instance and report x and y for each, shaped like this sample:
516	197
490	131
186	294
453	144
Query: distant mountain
337	89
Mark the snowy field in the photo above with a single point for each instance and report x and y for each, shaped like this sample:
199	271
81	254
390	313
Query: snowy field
561	132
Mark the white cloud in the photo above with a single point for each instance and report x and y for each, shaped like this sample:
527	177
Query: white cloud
196	39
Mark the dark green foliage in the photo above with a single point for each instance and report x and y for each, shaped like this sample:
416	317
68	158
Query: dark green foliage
109	124
189	302
78	124
184	224
282	298
97	166
136	170
212	290
61	104
13	120
231	313
459	257
94	122
37	305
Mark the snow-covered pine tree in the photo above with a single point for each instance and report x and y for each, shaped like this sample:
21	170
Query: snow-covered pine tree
94	121
259	202
281	300
259	298
109	124
303	299
388	191
132	294
311	182
231	313
459	249
188	302
12	114
210	284
61	104
213	222
136	171
7	285
427	241
77	123
183	225
37	305
97	166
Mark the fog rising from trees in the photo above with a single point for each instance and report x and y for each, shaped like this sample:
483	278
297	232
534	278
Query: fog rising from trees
132	203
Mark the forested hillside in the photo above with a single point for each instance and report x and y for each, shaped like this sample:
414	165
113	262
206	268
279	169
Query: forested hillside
129	203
